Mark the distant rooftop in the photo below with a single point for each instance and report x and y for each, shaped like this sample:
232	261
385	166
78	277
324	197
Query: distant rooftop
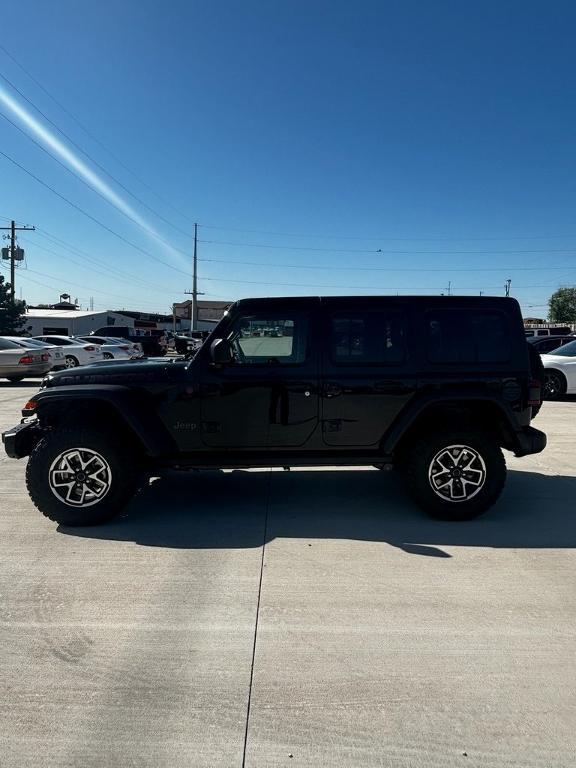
63	313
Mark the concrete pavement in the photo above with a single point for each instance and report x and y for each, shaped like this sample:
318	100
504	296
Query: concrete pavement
379	637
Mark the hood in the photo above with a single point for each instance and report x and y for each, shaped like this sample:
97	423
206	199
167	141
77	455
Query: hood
125	372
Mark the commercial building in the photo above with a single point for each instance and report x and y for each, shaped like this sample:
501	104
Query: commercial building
69	322
209	313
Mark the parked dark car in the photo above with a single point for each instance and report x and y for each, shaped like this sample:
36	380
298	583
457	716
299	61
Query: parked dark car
190	343
545	344
435	386
153	343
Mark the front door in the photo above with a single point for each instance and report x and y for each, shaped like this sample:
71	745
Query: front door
267	397
367	375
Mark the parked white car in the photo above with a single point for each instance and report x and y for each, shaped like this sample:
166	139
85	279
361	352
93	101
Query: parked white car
76	351
55	353
114	349
560	370
17	363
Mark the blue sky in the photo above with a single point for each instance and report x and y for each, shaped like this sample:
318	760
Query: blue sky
323	147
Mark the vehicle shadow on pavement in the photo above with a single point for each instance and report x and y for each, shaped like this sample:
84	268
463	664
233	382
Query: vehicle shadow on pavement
212	509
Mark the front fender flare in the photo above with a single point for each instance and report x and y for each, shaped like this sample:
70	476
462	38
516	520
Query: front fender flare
136	408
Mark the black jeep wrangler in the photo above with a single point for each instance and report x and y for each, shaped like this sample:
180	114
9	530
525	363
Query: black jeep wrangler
436	386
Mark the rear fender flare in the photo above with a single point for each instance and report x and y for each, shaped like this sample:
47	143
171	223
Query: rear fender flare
420	408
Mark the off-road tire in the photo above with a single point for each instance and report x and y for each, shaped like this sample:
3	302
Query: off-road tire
419	471
118	455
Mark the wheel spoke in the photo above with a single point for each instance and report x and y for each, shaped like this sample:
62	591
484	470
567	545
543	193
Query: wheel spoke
474	472
62	483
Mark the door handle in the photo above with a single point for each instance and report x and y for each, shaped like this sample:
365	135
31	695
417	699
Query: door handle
331	389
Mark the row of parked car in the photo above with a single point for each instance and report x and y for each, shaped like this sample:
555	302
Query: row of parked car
22	356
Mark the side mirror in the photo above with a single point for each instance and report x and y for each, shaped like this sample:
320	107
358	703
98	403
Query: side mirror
221	352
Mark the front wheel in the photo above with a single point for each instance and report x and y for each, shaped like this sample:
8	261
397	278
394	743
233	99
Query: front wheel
107	356
79	476
456	476
70	361
15	379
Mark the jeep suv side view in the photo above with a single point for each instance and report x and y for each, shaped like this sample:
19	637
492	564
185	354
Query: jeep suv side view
435	386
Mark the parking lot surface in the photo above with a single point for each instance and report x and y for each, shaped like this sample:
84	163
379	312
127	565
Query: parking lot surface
303	618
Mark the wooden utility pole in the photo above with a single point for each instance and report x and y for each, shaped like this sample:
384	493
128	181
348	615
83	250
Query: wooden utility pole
13	229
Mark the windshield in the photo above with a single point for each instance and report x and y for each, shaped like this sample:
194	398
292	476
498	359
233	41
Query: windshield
33	343
568	350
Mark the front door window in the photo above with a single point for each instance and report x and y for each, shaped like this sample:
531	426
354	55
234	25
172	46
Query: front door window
269	341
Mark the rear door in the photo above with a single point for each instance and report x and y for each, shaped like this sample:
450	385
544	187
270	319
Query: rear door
367	374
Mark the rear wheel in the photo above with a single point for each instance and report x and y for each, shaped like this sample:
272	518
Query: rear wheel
15	379
79	476
70	361
456	476
554	385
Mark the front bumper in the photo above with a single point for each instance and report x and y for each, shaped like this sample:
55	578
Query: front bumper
20	440
528	441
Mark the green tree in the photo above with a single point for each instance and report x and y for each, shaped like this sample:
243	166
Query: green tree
562	305
11	313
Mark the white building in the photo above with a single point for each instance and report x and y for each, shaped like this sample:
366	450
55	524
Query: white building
69	322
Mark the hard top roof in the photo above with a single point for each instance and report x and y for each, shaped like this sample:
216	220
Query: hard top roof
302	302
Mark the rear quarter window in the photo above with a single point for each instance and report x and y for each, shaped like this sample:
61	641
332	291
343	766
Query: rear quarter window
461	336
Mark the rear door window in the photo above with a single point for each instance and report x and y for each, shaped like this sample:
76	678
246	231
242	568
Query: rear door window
368	338
461	336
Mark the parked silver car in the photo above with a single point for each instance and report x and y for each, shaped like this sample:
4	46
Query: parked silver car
76	351
17	363
55	353
115	349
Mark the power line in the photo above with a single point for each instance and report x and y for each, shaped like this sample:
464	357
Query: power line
95	162
380	250
90	187
110	272
81	254
380	238
92	259
360	287
92	218
71	282
95	138
334	267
